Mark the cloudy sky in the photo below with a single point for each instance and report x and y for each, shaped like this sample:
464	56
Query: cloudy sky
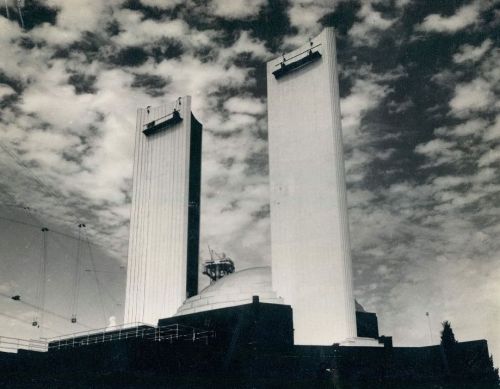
419	83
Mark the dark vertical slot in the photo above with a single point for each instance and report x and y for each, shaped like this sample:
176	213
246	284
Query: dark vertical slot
194	208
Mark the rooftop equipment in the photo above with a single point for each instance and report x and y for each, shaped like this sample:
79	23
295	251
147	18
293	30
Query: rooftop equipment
218	266
304	58
163	122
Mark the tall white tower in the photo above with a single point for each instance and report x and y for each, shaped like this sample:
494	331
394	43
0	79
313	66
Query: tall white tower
164	225
311	255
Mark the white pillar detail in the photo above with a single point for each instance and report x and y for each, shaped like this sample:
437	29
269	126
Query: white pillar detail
311	255
159	225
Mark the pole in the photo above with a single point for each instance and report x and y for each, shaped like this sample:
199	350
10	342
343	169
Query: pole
44	277
7	10
19	6
429	323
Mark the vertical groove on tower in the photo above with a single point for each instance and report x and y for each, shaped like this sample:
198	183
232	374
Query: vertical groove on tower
309	227
341	186
159	246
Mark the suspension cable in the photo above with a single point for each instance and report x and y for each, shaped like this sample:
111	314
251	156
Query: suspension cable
42	278
63	221
76	290
28	324
8	219
98	283
20	163
47	311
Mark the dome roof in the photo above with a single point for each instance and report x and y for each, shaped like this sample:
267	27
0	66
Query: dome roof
235	289
359	307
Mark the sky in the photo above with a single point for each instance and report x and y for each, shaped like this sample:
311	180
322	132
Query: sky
419	84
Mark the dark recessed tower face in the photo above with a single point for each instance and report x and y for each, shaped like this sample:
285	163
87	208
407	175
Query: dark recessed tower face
311	256
165	218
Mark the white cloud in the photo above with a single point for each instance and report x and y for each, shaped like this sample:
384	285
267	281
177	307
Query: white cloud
439	152
372	22
489	67
402	3
434	146
473	126
81	15
304	15
464	17
246	44
471	97
73	18
366	93
196	78
136	31
236	9
490	157
398	107
6	90
493	131
248	105
162	4
55	102
472	53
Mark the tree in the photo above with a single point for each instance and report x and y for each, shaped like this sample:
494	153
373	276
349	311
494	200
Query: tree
448	351
447	336
466	365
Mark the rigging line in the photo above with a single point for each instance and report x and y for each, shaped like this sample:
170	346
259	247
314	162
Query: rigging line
15	318
53	231
99	288
66	250
41	214
76	291
47	188
37	179
52	313
65	221
39	287
44	275
30	215
108	292
28	324
77	285
21	164
42	281
29	211
77	276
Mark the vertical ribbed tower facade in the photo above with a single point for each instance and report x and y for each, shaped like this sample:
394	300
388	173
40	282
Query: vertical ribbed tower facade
164	226
311	255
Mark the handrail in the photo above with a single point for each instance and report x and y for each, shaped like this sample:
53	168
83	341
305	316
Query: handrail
100	330
170	333
9	343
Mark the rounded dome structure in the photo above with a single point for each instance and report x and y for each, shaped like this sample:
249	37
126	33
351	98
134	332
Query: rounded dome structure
234	289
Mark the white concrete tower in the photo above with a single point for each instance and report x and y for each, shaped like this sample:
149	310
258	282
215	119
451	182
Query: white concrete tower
164	225
311	255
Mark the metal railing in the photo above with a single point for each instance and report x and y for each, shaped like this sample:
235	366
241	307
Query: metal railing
177	332
14	344
169	333
121	328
